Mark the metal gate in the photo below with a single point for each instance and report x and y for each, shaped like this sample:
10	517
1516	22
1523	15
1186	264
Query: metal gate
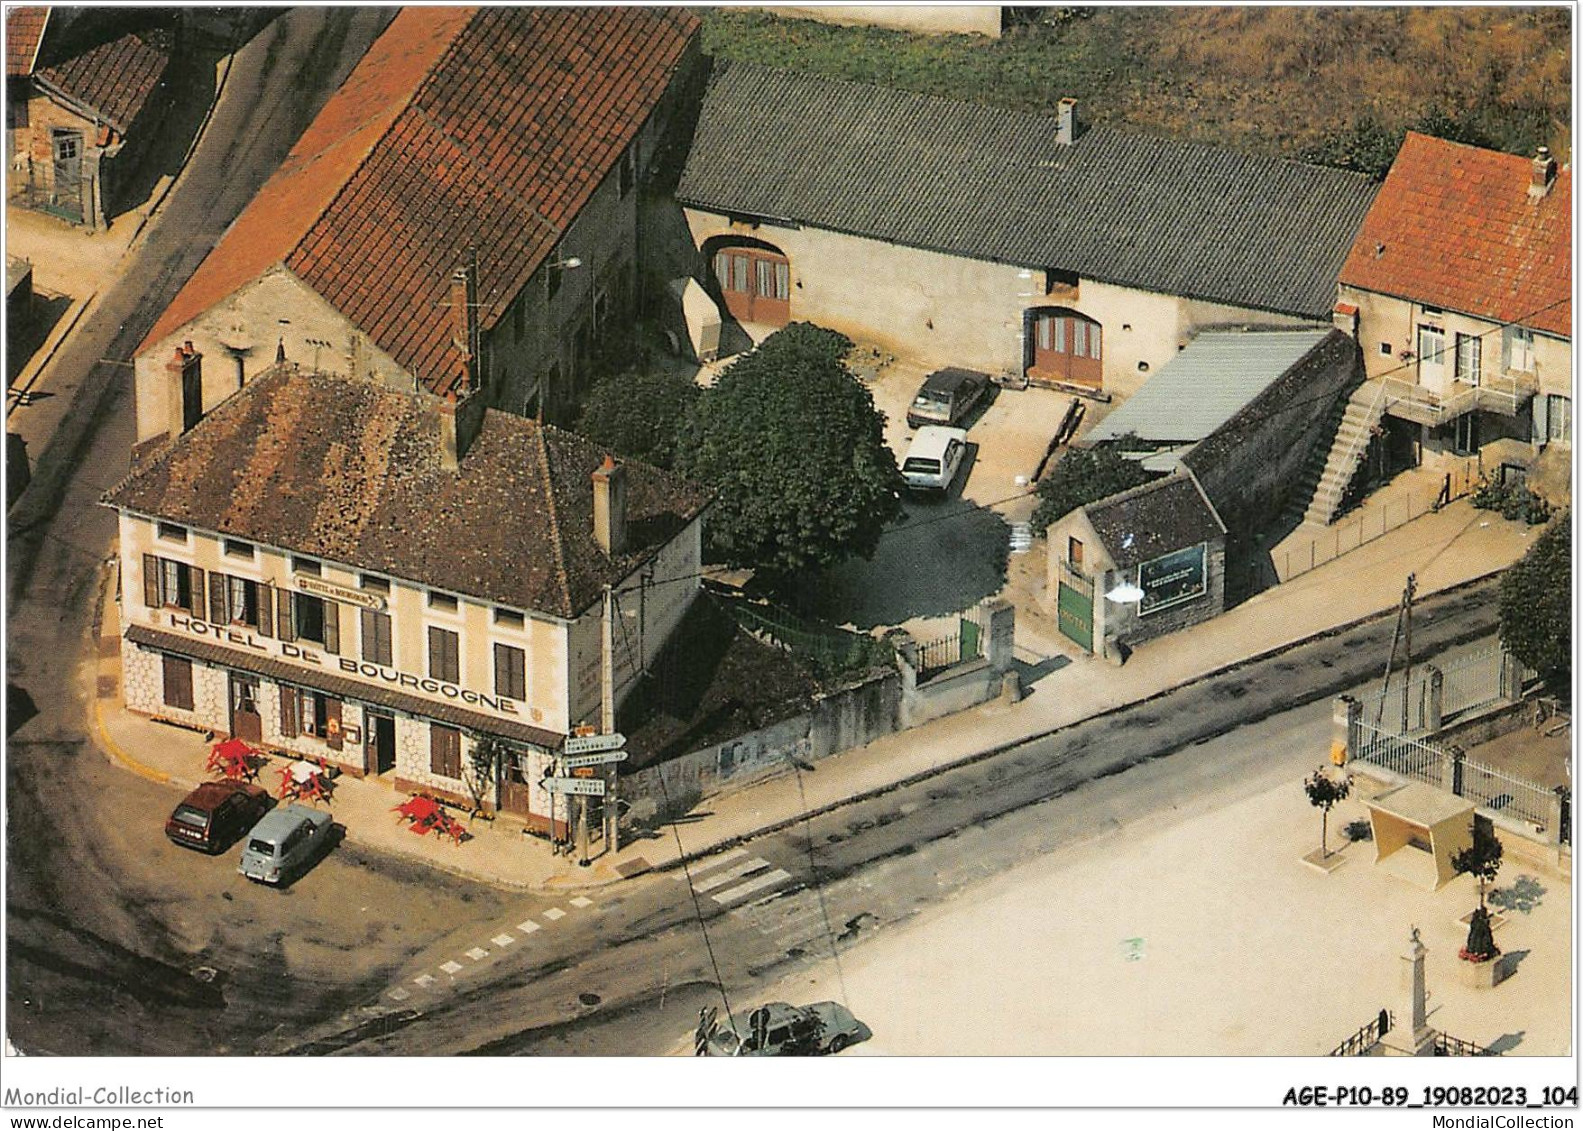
1074	608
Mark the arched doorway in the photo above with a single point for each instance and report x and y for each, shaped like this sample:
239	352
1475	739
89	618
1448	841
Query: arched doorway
755	278
1063	345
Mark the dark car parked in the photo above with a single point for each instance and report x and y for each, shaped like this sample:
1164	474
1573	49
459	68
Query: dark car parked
946	397
214	815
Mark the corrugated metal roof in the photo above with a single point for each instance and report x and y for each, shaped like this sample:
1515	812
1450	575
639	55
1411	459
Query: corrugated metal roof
981	181
1202	387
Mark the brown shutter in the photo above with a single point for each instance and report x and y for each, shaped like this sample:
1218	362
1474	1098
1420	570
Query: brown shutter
151	581
332	723
287	630
445	751
178	683
219	599
332	627
288	712
266	610
195	578
370	637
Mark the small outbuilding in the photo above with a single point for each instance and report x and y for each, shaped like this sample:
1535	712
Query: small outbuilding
1164	539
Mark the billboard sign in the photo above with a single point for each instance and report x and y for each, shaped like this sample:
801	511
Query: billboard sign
1172	579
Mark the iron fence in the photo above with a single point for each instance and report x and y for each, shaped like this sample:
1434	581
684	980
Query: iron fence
1467	684
1504	794
934	656
1402	754
1366	1037
1447	1045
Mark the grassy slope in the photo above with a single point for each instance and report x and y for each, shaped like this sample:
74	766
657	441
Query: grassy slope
1284	81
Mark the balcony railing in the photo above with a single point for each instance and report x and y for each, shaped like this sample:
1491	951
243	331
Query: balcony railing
1505	394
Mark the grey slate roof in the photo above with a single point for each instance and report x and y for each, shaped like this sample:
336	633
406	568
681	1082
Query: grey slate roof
1160	215
1140	524
1202	387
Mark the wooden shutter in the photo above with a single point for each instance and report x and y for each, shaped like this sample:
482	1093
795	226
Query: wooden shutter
151	581
443	660
286	628
288	712
332	627
219	599
266	610
178	683
510	672
370	636
445	751
332	723
195	583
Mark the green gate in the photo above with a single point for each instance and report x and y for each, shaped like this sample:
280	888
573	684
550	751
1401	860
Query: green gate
1075	611
971	644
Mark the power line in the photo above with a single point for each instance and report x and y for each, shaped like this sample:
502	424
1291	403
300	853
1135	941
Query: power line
698	910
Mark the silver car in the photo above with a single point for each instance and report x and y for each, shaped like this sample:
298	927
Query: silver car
284	843
783	1029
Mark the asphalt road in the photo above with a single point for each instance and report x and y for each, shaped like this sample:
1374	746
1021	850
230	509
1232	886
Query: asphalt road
638	967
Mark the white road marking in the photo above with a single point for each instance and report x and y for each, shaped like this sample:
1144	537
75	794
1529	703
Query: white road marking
503	940
478	954
732	895
528	928
398	994
554	913
718	878
581	901
451	967
425	980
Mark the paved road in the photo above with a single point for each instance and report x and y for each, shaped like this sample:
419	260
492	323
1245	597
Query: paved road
117	941
602	979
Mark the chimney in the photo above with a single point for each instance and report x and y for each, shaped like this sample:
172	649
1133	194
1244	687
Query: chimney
183	389
1066	122
610	508
1544	174
461	419
464	319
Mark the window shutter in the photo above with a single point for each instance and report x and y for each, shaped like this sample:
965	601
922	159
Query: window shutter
370	636
332	627
332	723
195	581
288	712
178	683
286	628
445	751
1541	419
151	581
219	599
266	610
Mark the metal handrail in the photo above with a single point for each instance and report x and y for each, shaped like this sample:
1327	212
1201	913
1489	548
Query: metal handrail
1376	410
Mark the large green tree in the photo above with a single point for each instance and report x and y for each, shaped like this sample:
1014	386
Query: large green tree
1536	605
795	449
1083	476
639	415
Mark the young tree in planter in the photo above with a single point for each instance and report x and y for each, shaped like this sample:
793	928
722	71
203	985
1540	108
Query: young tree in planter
1536	606
483	769
1323	792
1482	858
795	449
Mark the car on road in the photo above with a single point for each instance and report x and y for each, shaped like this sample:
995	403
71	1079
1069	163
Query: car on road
933	458
211	817
284	843
782	1029
947	396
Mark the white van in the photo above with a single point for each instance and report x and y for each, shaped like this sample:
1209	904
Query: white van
934	458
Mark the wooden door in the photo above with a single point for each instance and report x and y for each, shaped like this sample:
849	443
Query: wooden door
756	283
246	722
1066	347
379	755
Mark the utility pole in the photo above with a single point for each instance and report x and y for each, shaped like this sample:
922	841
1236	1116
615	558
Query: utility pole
1407	671
1404	620
607	713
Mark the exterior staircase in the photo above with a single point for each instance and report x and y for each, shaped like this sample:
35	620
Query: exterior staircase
1332	471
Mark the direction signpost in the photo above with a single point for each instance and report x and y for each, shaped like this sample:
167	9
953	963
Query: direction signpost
593	743
594	759
583	787
590	761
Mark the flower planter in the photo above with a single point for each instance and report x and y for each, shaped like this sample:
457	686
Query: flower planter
1482	975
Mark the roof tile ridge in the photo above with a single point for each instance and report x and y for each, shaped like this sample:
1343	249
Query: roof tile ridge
1126	496
562	574
399	112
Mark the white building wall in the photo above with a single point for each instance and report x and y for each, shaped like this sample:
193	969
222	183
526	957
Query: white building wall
945	309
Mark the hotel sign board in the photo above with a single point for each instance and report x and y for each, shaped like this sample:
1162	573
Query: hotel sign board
318	587
1172	579
589	787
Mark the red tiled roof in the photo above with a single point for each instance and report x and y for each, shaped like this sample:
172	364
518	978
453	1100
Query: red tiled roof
24	31
1460	231
113	79
461	128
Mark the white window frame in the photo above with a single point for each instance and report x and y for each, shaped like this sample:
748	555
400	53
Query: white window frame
1469	347
1517	344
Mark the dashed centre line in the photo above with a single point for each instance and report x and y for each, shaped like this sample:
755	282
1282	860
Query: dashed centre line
581	901
503	940
554	913
478	954
451	967
527	927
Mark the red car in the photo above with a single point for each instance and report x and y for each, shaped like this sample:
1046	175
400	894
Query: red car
214	815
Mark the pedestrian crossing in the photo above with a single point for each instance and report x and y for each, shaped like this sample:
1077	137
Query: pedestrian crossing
735	877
